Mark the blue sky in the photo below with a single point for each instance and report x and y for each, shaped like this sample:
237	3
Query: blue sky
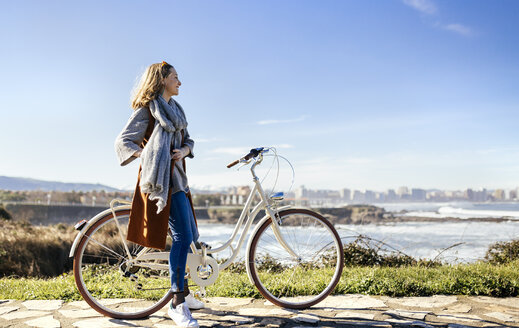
357	94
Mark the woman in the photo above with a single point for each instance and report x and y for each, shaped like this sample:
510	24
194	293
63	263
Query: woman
157	133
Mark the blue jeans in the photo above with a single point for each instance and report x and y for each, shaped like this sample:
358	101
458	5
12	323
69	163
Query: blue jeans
183	232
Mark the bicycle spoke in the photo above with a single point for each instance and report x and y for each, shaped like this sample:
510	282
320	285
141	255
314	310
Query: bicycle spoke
103	246
105	275
279	276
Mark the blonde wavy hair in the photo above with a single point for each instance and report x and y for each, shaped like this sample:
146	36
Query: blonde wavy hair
150	85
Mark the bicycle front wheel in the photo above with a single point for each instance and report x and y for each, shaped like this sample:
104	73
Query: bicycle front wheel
302	280
110	281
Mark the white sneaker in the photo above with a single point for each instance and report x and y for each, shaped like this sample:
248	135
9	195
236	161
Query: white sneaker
181	316
193	303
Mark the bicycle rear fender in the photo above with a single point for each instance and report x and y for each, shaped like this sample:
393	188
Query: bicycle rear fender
90	223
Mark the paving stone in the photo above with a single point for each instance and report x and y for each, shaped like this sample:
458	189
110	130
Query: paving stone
237	319
44	322
412	323
421	324
78	314
103	322
8	309
5	302
486	324
163	325
460	317
293	299
262	312
418	315
108	301
508	302
154	318
213	312
79	304
279	311
197	314
206	323
514	312
272	322
354	315
252	311
164	311
114	301
256	324
24	314
352	302
400	321
458	308
309	318
426	302
502	316
43	305
367	324
230	302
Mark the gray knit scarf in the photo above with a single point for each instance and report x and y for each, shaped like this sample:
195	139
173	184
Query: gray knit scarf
156	156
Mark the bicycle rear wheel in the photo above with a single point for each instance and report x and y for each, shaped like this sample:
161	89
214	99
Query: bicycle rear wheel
109	281
302	281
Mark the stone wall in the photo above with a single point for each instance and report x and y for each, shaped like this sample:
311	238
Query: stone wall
40	214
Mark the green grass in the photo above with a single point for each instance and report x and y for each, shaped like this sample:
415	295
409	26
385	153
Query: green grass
463	279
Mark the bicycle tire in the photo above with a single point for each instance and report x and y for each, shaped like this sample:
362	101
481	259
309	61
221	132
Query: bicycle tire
302	282
93	268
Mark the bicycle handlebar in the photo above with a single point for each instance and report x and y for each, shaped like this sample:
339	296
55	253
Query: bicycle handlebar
233	163
253	153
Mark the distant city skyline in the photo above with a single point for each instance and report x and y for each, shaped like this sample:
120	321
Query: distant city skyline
474	194
369	95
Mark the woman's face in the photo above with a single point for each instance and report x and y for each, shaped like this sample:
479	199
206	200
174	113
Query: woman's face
171	82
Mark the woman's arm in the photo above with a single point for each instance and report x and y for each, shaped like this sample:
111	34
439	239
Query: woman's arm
188	143
127	143
186	149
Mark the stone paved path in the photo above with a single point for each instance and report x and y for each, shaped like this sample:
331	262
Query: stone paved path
335	311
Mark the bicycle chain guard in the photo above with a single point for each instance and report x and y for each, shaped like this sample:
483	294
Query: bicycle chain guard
202	271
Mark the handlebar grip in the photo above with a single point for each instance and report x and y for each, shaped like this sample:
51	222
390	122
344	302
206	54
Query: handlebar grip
233	163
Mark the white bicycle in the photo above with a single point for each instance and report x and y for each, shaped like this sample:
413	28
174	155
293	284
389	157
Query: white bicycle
294	257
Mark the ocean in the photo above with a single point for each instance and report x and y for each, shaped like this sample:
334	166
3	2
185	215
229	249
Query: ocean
462	210
426	240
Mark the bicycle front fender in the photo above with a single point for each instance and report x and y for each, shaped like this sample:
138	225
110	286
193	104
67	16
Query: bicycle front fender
249	242
90	223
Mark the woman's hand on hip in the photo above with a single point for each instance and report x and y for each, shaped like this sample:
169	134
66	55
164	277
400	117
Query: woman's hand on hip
178	154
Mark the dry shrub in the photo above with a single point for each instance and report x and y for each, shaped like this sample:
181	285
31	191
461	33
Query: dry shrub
503	252
36	251
365	251
4	214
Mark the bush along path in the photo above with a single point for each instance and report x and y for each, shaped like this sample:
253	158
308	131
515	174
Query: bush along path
335	311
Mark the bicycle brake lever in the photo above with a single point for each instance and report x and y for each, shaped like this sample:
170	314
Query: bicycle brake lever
243	164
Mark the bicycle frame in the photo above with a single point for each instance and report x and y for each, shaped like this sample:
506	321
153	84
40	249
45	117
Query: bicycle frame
198	260
247	216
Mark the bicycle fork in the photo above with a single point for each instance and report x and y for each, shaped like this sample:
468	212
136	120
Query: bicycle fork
274	216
